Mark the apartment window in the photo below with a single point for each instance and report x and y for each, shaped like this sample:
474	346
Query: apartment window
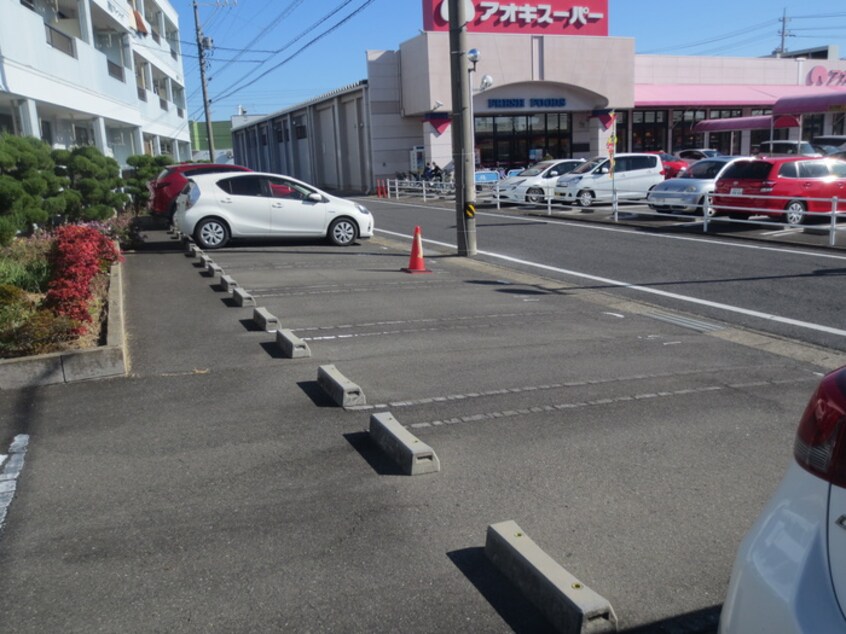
81	135
46	132
59	40
115	70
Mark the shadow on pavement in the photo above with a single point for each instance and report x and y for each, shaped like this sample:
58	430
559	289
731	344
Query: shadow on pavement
375	457
704	621
509	603
313	390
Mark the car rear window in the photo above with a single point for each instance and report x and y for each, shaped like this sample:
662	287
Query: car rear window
242	186
753	170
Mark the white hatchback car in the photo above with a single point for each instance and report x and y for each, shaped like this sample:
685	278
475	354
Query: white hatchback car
535	184
215	208
633	176
790	570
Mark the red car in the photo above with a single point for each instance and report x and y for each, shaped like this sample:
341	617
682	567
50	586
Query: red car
783	187
673	166
172	180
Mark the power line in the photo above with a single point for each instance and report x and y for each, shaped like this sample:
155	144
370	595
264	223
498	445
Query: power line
301	49
719	38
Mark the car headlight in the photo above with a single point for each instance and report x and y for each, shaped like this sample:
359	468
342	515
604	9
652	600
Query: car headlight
690	189
362	209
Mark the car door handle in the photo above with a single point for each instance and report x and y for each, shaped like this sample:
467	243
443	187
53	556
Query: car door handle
226	201
278	205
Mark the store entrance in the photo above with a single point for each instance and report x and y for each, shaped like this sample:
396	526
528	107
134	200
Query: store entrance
516	141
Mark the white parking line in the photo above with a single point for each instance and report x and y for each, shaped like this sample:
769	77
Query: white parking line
645	289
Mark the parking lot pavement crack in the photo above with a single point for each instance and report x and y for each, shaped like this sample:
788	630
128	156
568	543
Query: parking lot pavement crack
339	289
544	409
448	398
428	320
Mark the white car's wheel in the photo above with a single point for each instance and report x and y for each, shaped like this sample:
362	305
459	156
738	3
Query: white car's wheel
343	232
211	233
585	198
535	196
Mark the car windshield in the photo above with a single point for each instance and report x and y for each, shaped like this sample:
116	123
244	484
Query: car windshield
589	166
536	169
704	169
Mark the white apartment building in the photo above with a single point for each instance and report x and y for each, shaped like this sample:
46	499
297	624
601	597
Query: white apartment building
106	73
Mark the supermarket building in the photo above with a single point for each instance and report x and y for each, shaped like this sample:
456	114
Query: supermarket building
548	77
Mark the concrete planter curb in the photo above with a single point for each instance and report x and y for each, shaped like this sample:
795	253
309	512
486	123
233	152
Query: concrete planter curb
76	365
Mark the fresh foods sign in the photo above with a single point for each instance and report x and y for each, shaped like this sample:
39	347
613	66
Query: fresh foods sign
549	17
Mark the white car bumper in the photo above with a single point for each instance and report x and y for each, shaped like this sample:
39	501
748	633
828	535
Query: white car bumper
781	582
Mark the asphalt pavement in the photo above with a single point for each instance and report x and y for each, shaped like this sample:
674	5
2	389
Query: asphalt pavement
217	488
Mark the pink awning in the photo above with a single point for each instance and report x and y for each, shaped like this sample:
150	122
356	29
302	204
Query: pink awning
713	95
764	122
813	103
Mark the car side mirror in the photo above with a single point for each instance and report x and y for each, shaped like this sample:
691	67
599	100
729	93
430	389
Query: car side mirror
552	174
604	170
315	198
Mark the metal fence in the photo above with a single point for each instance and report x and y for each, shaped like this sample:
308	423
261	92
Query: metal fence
489	192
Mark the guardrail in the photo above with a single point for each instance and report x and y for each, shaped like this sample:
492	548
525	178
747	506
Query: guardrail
399	188
489	191
830	218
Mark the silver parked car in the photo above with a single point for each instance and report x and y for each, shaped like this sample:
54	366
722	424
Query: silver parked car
217	207
689	192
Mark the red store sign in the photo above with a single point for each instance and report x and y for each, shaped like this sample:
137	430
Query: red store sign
548	17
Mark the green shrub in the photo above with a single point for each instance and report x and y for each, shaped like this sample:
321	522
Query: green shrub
41	332
25	263
144	169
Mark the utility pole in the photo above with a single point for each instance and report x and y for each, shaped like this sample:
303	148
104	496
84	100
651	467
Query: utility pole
202	44
463	156
781	49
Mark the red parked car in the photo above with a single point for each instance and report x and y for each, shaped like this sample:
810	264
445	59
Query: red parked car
172	180
673	165
787	188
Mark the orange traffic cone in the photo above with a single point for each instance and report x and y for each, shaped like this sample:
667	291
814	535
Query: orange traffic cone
415	262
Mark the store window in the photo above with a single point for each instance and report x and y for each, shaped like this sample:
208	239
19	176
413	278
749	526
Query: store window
813	125
726	142
511	141
649	130
622	131
683	135
756	137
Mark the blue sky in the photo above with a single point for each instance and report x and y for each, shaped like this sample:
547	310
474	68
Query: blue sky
249	32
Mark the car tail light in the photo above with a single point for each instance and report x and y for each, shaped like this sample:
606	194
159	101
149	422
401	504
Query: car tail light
820	445
767	186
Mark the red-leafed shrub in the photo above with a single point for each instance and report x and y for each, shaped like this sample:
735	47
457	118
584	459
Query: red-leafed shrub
79	254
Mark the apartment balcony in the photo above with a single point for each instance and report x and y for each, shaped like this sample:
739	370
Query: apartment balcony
52	64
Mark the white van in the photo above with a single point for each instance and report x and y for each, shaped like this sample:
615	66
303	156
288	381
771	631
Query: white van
634	175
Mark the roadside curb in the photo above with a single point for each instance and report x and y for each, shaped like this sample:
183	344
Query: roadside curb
105	361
